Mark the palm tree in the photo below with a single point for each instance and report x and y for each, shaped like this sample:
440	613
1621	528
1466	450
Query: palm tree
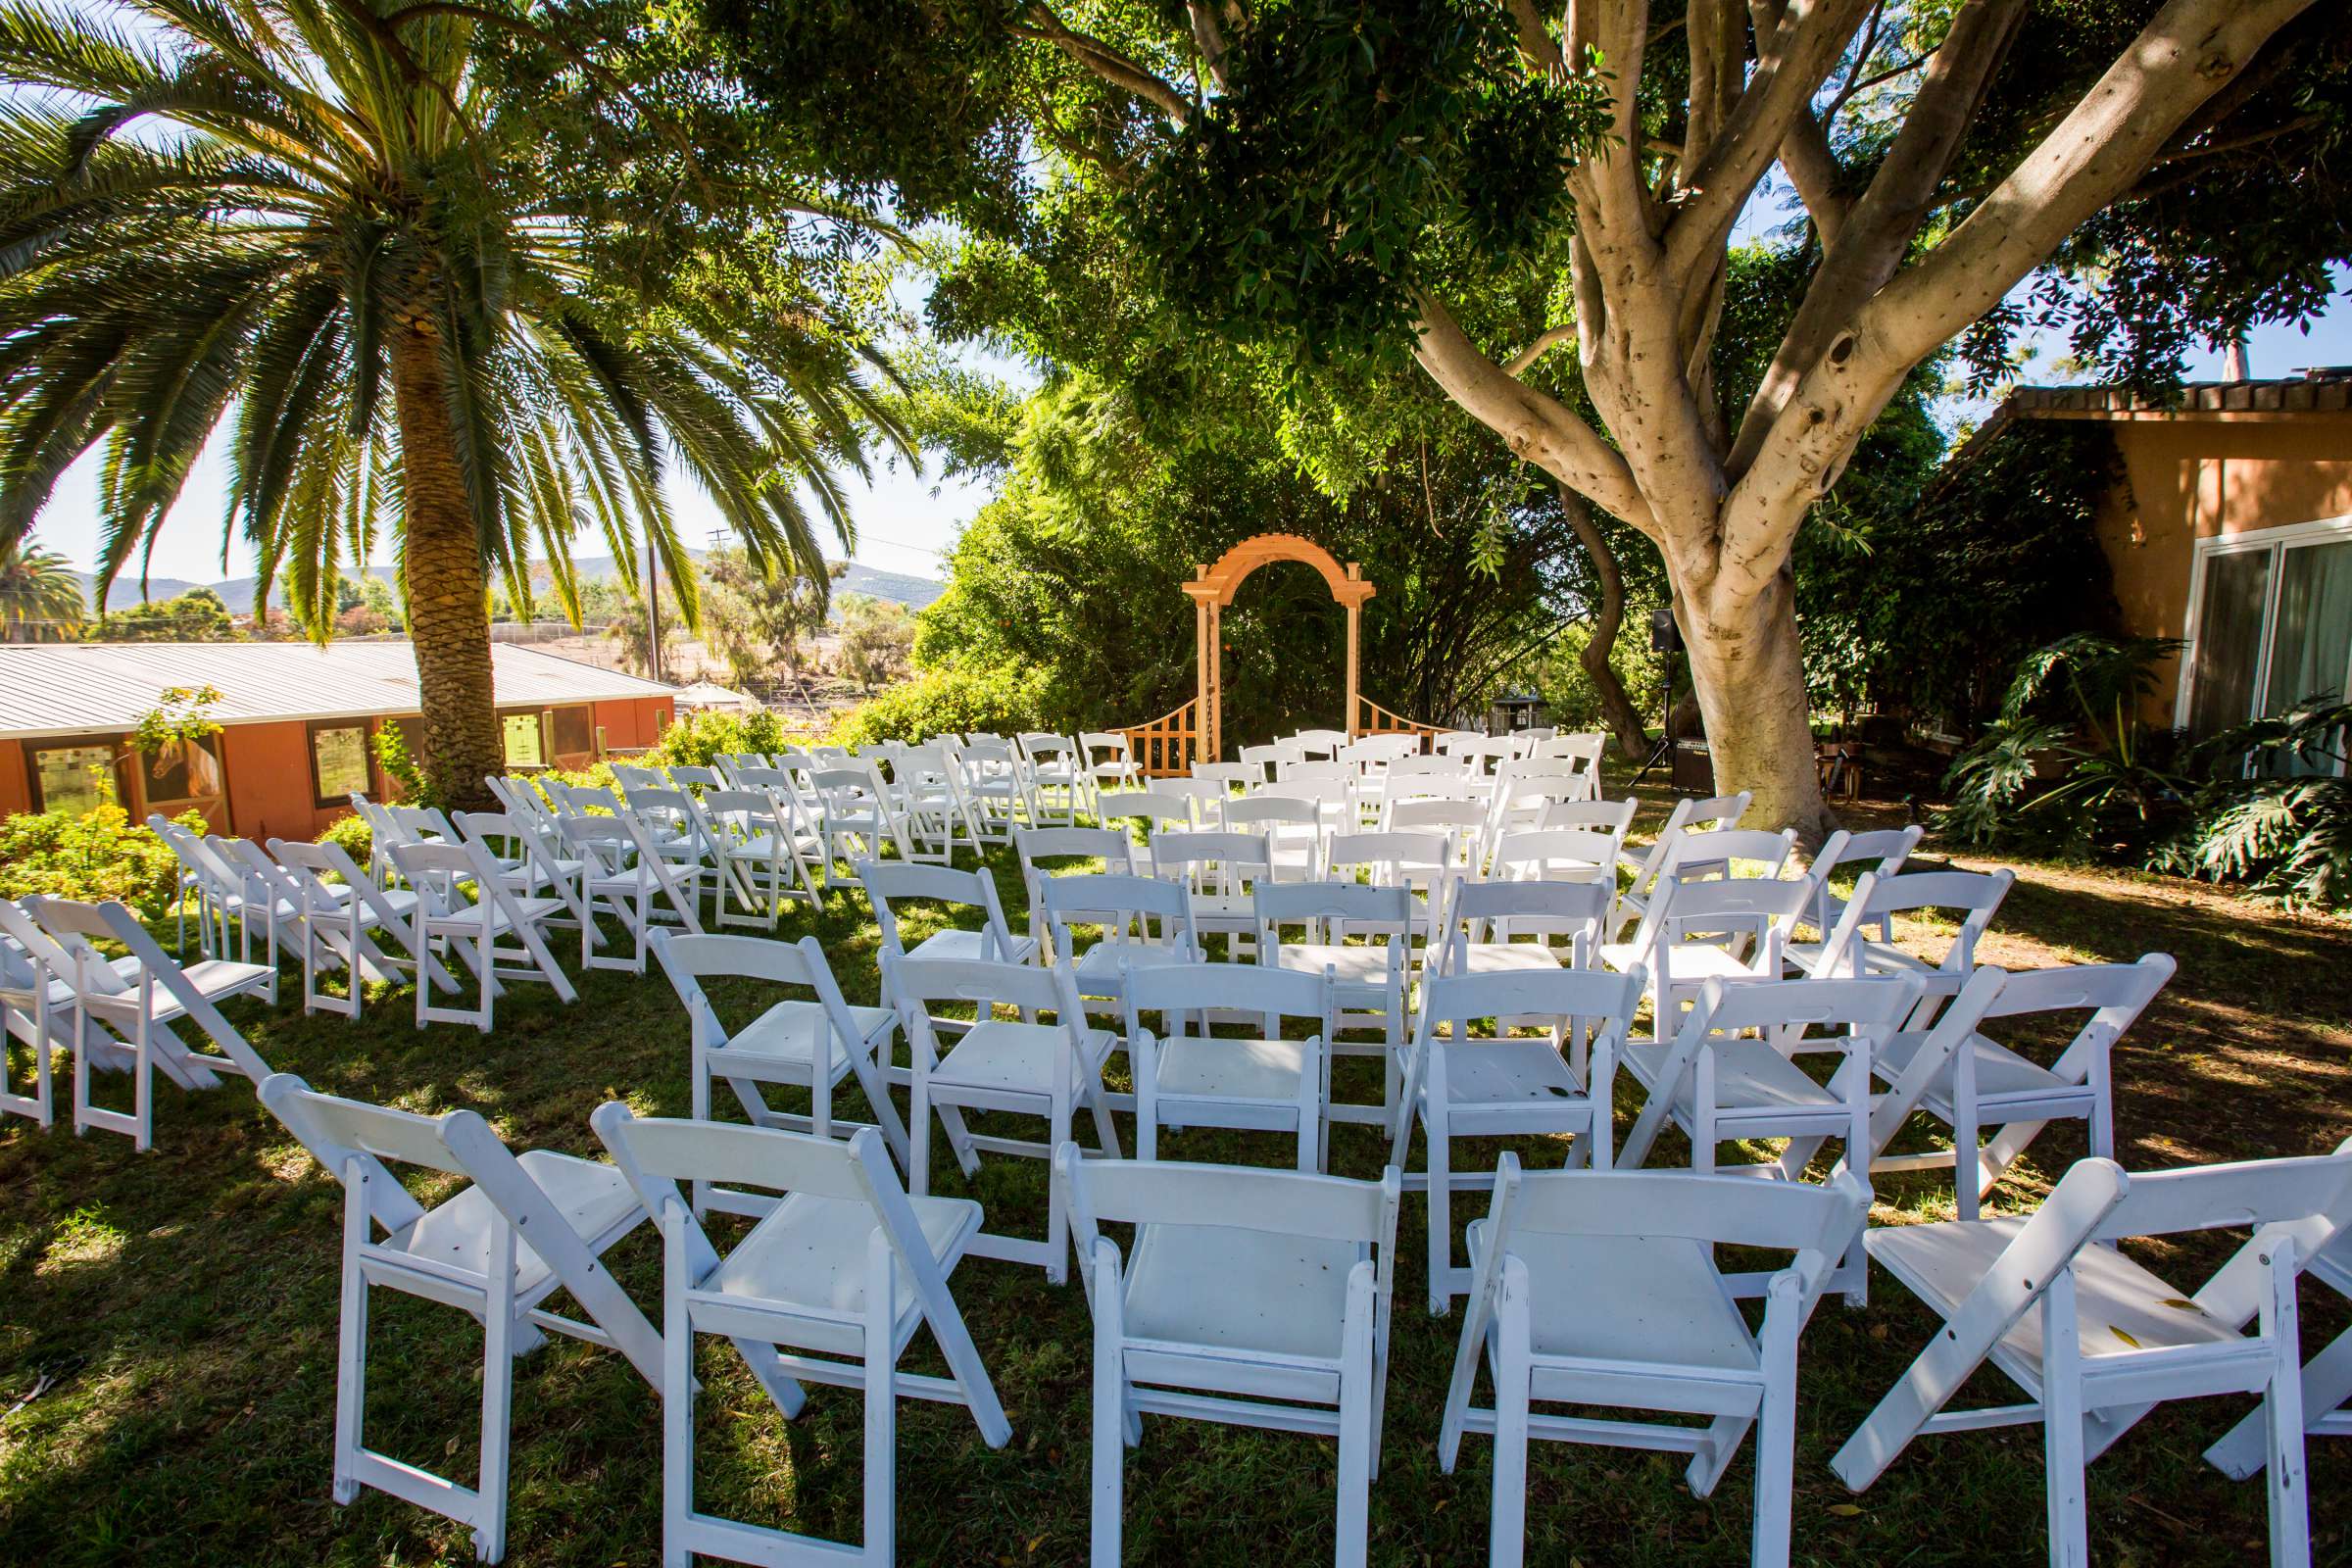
333	222
40	597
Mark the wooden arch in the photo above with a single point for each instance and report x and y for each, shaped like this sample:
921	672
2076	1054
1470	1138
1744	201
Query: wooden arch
1213	588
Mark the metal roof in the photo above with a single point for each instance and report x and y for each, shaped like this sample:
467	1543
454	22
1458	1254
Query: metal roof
98	688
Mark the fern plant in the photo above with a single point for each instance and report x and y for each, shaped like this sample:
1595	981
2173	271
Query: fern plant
2287	835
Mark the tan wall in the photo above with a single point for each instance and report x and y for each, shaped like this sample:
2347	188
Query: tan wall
2188	478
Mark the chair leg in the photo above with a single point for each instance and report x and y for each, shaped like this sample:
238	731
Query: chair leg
1355	1424
1441	1213
881	1403
1776	1433
2062	1424
351	1350
1110	1406
497	1401
2326	1387
2283	1411
677	1397
1507	1543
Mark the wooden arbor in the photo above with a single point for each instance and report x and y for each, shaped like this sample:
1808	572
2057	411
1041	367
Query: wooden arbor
1196	732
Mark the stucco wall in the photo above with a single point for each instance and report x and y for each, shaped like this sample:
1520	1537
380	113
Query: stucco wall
2190	479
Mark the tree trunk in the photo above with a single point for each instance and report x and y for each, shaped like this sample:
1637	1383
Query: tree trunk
1616	708
449	612
1747	670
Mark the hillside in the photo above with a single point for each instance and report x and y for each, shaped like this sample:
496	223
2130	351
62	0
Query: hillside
237	592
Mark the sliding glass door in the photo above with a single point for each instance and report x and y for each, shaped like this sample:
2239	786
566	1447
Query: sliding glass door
2273	629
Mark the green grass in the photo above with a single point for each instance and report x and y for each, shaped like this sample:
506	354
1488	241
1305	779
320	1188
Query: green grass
183	1303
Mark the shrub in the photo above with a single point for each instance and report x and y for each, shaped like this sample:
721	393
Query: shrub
698	740
1001	700
2286	834
98	856
353	835
400	766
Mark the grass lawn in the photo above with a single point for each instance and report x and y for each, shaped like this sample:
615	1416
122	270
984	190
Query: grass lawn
182	1307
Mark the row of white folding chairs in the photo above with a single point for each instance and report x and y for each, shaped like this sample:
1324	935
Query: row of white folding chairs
1263	1298
133	1013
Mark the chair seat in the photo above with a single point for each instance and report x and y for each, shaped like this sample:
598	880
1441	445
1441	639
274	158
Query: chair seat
2000	1071
1233	1069
1020	1056
1690	962
1238	1290
1107	960
214	979
1749	1075
1878	957
1509	957
1508	1072
1650	1300
958	945
593	1198
786	1034
1351	965
2119	1305
811	1250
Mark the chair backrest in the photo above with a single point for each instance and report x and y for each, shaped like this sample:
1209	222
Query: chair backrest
1816	1223
1318	770
1501	911
631	777
1174	989
696	778
1356	904
1257	810
1325	741
1245	1197
1791	1010
1711	851
889	883
1263	758
1392	858
1594	996
1225	862
1108	845
1754	909
1614	818
1558	854
1229	776
1127	907
1975	895
1151	806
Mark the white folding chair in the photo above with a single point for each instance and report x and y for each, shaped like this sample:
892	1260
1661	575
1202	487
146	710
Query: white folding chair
928	792
1719	1083
1462	821
138	1001
1023	1068
1883	851
1221	869
1715	815
351	913
794	1042
997	785
1293	830
1143	921
1957	1072
1153	811
828	1287
1371	973
1186	1075
761	857
498	934
1422	863
467	1252
36	1009
2094	1339
1551	853
1056	775
1253	1297
1694	932
1601	1289
890	885
855	815
2244	1451
1110	762
1847	949
1105	848
1480	930
627	877
1463	1084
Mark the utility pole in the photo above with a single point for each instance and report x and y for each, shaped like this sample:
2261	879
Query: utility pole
653	611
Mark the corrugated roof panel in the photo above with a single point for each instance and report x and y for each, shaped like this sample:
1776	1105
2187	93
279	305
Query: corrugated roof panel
65	688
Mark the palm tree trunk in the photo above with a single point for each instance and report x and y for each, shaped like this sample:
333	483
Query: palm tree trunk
1616	708
449	612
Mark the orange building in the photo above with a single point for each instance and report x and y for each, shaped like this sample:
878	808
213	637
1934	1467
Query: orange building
297	723
2230	528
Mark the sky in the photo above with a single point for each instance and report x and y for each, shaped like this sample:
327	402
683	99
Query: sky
905	520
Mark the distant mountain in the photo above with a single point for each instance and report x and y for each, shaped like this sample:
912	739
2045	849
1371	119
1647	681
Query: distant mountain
237	592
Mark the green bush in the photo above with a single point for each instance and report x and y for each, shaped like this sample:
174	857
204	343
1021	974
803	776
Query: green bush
351	833
2276	813
1001	700
699	740
91	858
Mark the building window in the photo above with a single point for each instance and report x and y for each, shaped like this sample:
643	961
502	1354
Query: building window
575	731
75	776
525	748
339	763
184	776
2271	627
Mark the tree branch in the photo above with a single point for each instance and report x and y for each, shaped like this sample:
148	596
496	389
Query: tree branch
1812	167
1880	227
1106	63
1537	427
1552	338
1792	61
1209	38
2187	52
1543	57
